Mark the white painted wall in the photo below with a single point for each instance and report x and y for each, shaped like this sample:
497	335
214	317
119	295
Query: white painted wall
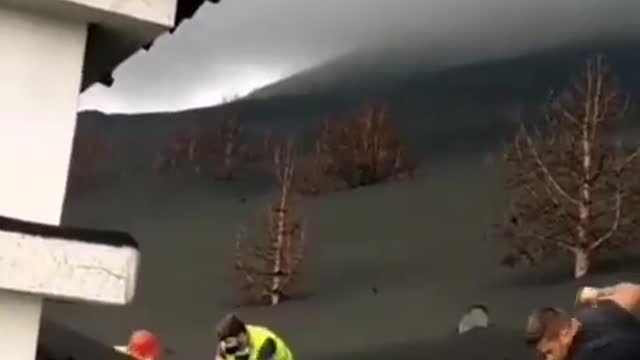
40	69
20	315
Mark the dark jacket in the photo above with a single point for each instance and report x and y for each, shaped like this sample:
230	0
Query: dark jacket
607	332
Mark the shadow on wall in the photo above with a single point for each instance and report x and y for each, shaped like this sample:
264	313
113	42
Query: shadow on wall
59	343
490	343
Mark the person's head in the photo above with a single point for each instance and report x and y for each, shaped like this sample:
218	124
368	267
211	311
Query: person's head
551	332
233	337
144	345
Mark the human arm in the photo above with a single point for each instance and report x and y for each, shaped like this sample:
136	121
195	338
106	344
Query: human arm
625	294
219	354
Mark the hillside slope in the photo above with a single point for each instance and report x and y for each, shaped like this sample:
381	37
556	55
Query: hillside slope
424	244
463	108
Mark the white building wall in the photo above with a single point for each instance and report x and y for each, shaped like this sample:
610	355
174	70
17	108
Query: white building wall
20	315
40	70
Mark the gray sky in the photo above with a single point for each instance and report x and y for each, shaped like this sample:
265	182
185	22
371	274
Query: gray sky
238	45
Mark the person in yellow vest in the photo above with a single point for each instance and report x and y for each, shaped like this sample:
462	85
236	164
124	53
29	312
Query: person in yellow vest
240	341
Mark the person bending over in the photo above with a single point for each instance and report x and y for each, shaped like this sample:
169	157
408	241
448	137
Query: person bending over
603	326
239	341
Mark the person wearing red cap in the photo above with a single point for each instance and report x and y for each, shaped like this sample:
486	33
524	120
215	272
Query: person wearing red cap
143	345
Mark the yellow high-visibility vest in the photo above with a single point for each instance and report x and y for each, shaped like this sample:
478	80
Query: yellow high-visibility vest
258	335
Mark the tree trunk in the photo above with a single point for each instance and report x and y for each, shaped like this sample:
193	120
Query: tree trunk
279	243
278	249
582	263
274	298
584	207
227	159
191	150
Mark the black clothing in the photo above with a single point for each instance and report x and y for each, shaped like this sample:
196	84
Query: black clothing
607	332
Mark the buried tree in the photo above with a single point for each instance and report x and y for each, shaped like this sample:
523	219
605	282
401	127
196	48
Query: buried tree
223	149
270	265
228	148
183	151
363	150
89	161
572	185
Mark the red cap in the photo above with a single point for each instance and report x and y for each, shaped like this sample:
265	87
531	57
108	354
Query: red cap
144	345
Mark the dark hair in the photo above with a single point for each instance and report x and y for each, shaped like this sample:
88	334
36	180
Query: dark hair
229	326
545	322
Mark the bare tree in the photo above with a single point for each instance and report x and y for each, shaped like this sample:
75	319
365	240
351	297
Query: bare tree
314	175
572	185
270	266
228	147
365	150
183	153
260	154
223	149
89	158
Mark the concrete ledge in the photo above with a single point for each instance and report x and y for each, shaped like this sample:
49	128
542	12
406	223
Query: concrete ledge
154	11
118	14
67	263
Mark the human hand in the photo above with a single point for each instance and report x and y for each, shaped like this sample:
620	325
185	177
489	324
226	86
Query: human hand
588	296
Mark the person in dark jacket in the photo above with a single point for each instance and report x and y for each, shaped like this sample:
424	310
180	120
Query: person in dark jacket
603	328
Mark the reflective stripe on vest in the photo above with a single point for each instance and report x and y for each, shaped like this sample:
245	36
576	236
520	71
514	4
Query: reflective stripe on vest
258	335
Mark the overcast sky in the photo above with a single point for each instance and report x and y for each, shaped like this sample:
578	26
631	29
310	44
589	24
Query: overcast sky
238	45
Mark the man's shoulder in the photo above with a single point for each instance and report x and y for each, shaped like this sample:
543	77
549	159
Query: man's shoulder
628	352
607	314
619	346
263	331
258	328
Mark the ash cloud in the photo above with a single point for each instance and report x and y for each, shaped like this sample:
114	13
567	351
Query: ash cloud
237	45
